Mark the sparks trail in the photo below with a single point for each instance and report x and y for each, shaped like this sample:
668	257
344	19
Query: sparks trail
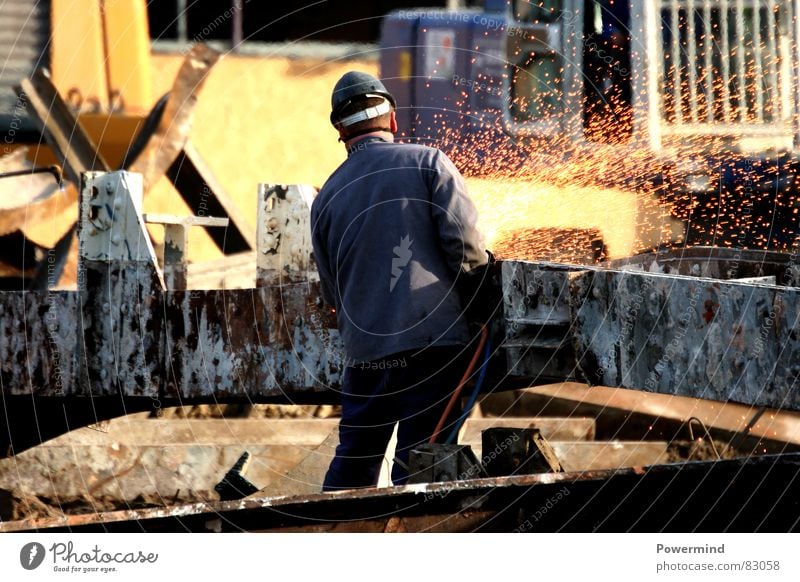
555	117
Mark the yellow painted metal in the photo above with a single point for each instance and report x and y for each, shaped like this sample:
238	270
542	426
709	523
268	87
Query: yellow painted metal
112	133
128	55
77	55
100	61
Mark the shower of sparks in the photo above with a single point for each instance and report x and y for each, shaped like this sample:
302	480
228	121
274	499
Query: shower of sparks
726	94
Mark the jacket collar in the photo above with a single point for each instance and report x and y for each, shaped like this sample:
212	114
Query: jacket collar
361	143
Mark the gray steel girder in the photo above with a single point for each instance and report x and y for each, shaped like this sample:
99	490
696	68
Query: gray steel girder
123	333
692	336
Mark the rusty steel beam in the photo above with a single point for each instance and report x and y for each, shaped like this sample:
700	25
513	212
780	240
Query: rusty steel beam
719	339
65	136
205	196
122	333
172	132
704	338
137	340
696	496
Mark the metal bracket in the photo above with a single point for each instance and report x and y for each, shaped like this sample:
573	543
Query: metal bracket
176	244
119	288
112	226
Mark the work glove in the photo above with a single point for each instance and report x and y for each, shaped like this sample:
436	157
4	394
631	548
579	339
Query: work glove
481	296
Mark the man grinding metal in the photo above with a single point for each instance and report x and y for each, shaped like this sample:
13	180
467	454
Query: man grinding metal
396	245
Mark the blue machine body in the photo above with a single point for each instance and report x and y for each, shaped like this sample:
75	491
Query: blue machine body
446	70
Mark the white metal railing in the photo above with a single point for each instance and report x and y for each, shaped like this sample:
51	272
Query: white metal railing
726	63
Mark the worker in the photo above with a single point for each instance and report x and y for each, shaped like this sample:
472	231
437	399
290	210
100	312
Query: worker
395	239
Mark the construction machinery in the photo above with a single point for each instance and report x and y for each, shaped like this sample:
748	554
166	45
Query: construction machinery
695	100
98	55
86	105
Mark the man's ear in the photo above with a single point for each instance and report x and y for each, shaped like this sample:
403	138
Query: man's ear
393	123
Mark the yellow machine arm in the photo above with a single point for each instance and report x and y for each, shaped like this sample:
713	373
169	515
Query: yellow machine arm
100	54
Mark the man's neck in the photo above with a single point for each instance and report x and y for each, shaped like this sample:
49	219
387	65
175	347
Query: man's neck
384	135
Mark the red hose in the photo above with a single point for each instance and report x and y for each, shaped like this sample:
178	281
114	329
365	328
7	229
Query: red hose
464	378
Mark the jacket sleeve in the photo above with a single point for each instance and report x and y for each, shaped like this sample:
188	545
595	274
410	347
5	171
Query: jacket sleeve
455	217
326	278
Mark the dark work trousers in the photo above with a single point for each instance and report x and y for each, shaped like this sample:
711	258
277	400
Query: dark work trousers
410	389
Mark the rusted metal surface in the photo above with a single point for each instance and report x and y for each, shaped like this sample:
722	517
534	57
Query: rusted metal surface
38	337
254	342
172	132
645	415
185	459
236	271
433	462
554	428
705	338
284	234
537	320
135	339
681	497
708	338
119	287
172	459
518	451
717	263
61	129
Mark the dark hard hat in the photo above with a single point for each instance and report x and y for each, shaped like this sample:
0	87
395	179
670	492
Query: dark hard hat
352	85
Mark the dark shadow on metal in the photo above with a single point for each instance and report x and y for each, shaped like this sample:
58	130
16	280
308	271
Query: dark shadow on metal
758	494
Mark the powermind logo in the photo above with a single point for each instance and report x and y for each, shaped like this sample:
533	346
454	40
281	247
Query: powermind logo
66	558
31	555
